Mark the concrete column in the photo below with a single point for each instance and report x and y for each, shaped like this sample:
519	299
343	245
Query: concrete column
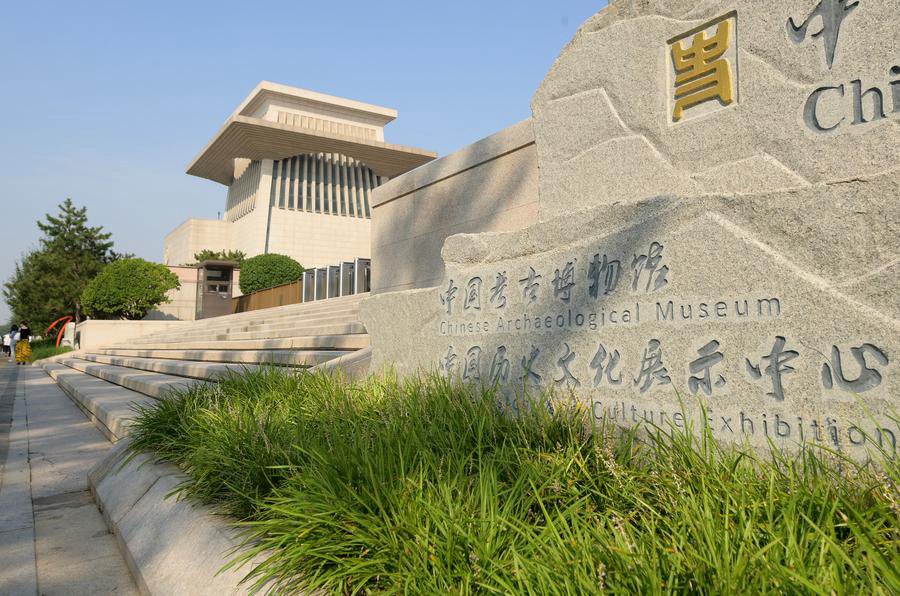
335	184
320	178
326	180
295	193
346	185
354	188
304	179
367	191
312	180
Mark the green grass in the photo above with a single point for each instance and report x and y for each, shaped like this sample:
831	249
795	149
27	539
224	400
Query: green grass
421	487
45	348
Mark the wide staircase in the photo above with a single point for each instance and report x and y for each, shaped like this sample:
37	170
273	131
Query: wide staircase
106	383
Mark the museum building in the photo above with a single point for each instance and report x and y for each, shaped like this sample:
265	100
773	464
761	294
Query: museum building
300	168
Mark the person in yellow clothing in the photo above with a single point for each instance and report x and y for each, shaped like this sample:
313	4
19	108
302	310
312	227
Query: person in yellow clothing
23	346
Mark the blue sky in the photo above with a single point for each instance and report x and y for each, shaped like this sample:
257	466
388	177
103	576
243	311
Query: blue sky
108	102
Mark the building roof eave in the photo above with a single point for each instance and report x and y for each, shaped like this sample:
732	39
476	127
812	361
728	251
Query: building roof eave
258	139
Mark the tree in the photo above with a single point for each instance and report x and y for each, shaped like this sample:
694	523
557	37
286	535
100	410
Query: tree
34	292
49	281
267	271
220	255
128	289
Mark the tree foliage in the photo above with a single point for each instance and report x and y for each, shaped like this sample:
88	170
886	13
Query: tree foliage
128	289
266	271
35	292
48	282
220	255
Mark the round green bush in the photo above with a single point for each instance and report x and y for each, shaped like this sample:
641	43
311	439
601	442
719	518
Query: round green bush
128	289
267	271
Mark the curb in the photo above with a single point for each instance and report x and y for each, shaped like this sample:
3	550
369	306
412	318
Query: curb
171	545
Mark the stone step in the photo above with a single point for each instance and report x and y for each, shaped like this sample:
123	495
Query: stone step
323	330
303	314
266	327
149	383
108	406
297	358
277	312
343	313
205	371
347	311
300	321
333	329
355	341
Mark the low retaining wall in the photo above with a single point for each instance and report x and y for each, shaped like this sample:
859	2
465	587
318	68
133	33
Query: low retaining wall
100	334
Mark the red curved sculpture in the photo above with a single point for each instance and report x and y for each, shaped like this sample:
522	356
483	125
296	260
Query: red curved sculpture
62	329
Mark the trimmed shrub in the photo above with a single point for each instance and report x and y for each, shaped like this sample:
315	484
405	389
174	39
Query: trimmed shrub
267	271
220	255
128	289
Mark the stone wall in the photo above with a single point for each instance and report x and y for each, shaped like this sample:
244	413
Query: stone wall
194	235
318	239
182	305
490	185
718	241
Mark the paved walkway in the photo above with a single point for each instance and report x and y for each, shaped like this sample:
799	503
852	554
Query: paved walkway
53	539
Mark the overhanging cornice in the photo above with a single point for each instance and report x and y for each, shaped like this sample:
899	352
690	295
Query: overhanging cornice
257	139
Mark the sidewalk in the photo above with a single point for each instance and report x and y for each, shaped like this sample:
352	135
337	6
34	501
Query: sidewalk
53	539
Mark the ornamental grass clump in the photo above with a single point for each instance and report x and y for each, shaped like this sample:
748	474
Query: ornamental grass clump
421	486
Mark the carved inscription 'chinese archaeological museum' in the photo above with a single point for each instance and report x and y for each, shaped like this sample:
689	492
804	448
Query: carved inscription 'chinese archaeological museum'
719	228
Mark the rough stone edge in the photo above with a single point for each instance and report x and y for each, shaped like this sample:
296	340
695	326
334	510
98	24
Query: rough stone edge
116	473
120	476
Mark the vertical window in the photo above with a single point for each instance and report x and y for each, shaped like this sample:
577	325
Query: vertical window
274	185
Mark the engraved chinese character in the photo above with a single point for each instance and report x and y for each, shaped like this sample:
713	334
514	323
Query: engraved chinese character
473	294
604	275
498	298
528	364
449	296
649	264
472	372
598	363
563	364
500	366
702	72
869	378
448	362
530	286
709	357
832	14
776	367
563	282
652	369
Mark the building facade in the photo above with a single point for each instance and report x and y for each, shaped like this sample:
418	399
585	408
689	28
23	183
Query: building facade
300	168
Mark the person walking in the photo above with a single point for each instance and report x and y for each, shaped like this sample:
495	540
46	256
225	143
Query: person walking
6	340
13	338
23	346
